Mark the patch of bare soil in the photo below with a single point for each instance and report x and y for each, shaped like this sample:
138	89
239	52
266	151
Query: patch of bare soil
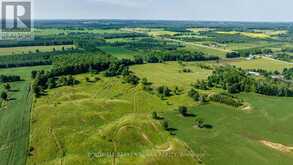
277	146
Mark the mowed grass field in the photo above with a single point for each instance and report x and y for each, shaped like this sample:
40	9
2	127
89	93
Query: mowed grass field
15	117
237	135
14	125
171	73
24	72
260	63
27	49
119	52
84	124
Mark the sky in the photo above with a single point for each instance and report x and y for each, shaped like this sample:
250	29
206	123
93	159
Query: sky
206	10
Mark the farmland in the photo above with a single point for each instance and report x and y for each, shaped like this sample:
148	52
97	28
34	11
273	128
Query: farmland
142	92
27	50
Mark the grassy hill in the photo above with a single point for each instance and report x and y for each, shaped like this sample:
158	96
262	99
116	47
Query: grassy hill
106	117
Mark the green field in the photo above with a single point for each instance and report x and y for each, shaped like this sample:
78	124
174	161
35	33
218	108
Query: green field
28	49
15	117
260	63
236	133
24	72
119	52
171	74
107	115
102	117
14	125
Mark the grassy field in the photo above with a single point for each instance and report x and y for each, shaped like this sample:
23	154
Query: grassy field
27	49
15	117
108	121
14	125
171	74
258	35
24	72
237	134
72	125
81	124
260	63
119	52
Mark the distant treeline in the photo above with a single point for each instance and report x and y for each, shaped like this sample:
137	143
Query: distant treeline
7	44
179	56
9	78
147	44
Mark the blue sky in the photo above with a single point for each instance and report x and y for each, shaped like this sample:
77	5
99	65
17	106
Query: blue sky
222	10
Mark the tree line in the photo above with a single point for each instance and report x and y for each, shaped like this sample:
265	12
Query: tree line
9	78
236	80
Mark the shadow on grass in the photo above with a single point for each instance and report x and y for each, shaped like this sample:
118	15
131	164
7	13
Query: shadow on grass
208	126
189	115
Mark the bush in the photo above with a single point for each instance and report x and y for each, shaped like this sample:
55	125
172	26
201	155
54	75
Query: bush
183	110
164	91
166	125
155	115
226	99
194	95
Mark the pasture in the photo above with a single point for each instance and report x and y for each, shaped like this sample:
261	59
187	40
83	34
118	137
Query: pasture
260	63
171	73
119	52
79	123
236	135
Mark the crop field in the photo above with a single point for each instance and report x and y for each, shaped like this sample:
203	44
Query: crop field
259	35
28	49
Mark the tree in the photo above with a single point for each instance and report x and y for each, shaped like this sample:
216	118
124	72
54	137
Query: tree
166	125
144	81
4	96
232	55
183	110
194	95
34	74
164	91
7	86
52	83
37	90
155	115
131	79
199	122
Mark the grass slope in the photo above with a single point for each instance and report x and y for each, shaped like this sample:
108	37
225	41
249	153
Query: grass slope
74	124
